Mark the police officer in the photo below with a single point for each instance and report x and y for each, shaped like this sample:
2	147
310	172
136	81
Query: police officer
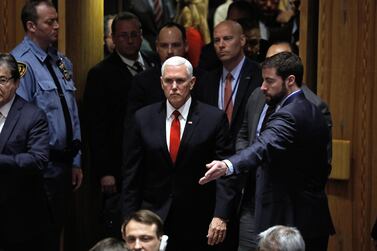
48	83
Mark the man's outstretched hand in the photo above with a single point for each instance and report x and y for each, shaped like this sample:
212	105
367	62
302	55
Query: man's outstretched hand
216	170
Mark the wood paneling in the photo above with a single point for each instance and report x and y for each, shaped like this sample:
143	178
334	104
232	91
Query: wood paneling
10	24
346	80
84	37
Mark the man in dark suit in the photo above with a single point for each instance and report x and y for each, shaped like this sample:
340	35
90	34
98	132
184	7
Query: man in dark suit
290	156
170	144
105	101
24	214
247	134
245	77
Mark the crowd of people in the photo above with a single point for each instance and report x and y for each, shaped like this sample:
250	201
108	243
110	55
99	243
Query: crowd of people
198	145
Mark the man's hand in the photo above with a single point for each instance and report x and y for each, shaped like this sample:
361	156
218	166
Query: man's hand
216	231
108	184
76	178
216	169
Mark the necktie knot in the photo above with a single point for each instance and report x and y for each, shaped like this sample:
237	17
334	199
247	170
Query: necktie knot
229	76
138	67
176	114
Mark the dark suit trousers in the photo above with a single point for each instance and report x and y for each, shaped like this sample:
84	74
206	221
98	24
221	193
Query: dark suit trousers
317	244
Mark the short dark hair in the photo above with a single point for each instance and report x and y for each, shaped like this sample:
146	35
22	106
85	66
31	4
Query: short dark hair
109	244
124	16
29	11
173	24
145	217
247	9
10	62
286	63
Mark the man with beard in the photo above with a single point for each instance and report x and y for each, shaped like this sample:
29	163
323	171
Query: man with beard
289	155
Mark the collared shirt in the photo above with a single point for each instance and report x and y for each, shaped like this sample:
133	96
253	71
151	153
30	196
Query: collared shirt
4	110
38	86
183	110
235	81
130	63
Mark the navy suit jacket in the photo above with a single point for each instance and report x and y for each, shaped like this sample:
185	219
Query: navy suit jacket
291	162
151	181
23	156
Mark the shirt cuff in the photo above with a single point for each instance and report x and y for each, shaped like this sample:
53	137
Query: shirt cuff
230	169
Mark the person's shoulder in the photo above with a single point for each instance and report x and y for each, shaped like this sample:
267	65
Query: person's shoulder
150	109
28	109
206	109
21	50
252	64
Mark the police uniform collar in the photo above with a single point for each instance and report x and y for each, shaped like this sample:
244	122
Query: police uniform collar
39	52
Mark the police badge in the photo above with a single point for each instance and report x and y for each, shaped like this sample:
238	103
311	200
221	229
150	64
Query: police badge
63	69
22	68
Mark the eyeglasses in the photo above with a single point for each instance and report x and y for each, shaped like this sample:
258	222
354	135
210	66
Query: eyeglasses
4	80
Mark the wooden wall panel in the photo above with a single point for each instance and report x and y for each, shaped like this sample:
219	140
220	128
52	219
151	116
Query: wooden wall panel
10	24
346	80
84	37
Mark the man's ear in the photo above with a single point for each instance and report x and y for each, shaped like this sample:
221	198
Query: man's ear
31	26
192	82
291	80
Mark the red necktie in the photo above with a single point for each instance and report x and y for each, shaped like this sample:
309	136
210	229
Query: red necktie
175	136
157	11
228	102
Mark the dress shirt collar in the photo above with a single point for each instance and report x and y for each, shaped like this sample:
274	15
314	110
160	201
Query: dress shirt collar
235	72
6	108
183	110
39	52
131	62
285	99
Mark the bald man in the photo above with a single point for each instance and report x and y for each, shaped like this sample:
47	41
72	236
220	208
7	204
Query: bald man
229	87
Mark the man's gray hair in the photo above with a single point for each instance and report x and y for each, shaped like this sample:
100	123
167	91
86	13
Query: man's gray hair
281	238
176	61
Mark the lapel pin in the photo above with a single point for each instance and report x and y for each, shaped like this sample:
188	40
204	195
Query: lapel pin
189	122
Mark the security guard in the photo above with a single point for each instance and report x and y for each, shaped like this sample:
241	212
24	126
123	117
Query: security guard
48	84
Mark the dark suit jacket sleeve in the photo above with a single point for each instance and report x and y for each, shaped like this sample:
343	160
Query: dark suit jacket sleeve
131	170
96	119
37	139
225	187
271	144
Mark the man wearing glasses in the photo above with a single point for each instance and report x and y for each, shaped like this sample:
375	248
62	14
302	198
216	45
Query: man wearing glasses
105	104
24	214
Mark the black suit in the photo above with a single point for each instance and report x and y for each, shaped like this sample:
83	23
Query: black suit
24	213
151	181
291	162
105	105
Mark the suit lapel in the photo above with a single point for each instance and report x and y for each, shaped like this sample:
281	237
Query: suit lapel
161	123
192	121
10	122
245	78
256	111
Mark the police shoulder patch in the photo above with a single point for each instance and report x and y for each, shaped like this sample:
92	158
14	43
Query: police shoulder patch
21	68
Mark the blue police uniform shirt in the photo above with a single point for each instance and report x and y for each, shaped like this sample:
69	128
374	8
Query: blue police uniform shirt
38	86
